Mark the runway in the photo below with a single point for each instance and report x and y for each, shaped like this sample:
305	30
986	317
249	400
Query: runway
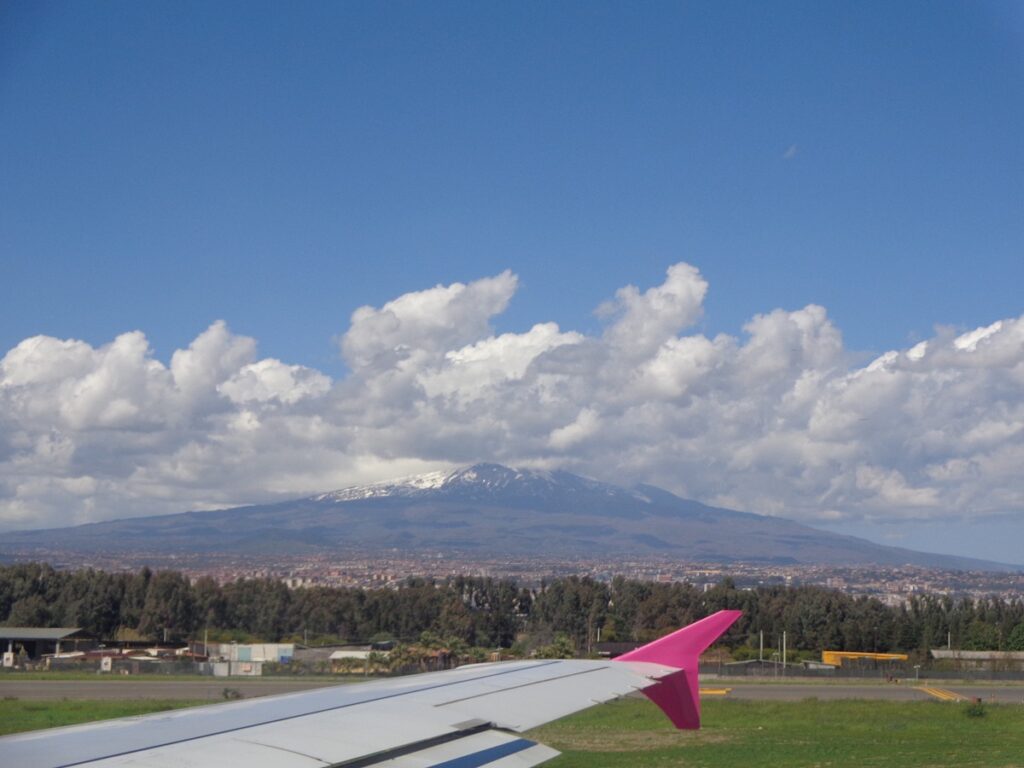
923	691
212	689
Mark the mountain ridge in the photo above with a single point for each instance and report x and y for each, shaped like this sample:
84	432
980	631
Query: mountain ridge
494	510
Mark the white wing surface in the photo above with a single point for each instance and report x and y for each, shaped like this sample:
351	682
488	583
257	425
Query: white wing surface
462	718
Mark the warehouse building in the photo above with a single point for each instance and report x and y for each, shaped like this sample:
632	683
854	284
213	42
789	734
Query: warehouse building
30	643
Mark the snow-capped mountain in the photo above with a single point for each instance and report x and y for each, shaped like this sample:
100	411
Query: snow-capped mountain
482	481
481	510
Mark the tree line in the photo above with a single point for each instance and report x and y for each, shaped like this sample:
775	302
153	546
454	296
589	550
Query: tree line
568	613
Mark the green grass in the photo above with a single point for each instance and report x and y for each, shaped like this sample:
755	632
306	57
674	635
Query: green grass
25	715
855	734
146	677
92	676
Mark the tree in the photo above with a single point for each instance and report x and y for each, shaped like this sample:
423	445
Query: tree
29	612
169	610
1015	641
135	598
456	621
376	661
561	648
981	637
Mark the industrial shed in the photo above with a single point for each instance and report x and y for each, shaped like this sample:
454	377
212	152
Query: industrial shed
995	661
35	641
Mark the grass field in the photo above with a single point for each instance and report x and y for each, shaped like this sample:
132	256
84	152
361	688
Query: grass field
764	734
633	734
143	677
21	715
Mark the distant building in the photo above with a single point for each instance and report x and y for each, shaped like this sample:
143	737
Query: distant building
612	650
236	668
757	667
252	652
33	642
994	661
315	655
358	659
861	659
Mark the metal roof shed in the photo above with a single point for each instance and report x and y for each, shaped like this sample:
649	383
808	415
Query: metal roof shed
36	636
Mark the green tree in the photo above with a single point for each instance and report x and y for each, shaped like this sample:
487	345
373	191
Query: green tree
31	611
561	648
1015	641
456	621
981	637
169	609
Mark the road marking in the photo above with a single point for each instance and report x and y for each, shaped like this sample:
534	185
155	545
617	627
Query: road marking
715	691
944	695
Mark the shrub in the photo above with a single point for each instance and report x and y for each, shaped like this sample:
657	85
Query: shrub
975	709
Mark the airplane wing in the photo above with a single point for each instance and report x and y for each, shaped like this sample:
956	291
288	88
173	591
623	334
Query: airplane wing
462	718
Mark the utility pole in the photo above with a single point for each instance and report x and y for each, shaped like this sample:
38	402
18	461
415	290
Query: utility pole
760	651
783	651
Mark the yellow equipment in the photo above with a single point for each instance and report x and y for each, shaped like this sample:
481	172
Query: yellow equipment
836	658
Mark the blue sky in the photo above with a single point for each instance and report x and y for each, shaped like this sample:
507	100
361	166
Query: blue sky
167	165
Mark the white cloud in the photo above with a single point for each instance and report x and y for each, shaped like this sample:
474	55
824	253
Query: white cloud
970	340
214	355
476	368
426	323
271	379
776	420
585	425
645	321
889	487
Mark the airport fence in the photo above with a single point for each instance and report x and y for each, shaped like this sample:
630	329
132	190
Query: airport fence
127	666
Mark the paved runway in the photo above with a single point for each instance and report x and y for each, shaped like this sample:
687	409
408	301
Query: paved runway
893	692
212	689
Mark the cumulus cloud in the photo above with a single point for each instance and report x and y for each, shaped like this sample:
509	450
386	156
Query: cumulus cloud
775	420
425	324
271	379
645	321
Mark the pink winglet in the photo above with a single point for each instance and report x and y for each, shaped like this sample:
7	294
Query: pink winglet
678	695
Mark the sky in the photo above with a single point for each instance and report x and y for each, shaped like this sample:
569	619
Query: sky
768	256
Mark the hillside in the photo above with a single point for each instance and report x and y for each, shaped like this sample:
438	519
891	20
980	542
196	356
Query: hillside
487	509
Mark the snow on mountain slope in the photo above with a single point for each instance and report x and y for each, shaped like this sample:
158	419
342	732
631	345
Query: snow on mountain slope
482	480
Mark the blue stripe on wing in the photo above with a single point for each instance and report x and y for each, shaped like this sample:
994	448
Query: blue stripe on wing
485	756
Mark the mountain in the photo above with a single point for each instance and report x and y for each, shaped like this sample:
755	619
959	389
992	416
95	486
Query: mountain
486	510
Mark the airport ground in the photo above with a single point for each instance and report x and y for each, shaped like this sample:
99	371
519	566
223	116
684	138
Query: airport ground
767	733
768	689
851	733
